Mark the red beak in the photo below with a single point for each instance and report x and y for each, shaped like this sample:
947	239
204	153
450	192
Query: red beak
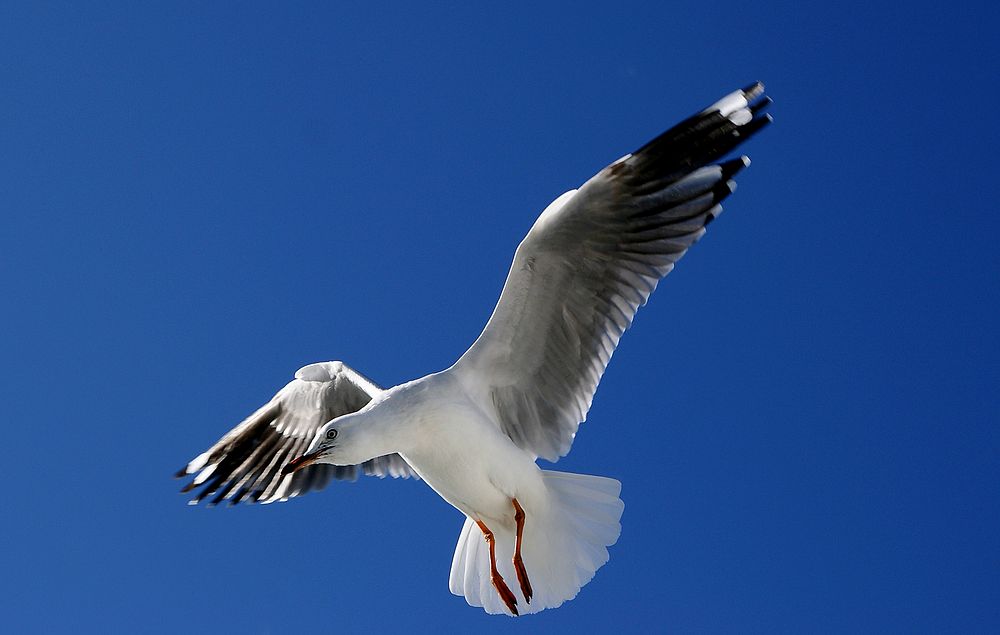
297	464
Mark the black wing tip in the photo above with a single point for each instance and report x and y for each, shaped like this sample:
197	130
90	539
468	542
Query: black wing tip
732	167
707	136
755	125
240	496
721	191
712	216
759	105
181	473
225	494
754	90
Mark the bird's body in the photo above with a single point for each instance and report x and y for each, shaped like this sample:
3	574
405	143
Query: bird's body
439	425
432	423
473	432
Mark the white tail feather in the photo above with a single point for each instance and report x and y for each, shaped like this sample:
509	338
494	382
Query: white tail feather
563	545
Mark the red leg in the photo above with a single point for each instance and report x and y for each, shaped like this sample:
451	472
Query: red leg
505	593
522	574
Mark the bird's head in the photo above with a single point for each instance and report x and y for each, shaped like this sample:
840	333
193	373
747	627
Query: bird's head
350	439
328	446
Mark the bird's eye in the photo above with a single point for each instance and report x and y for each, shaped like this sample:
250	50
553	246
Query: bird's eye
331	434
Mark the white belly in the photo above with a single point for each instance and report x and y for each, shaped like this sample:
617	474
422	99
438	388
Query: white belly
474	466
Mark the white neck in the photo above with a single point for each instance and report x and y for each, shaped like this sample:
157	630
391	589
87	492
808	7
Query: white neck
365	436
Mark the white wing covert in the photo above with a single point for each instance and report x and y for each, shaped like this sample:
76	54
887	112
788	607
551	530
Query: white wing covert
589	262
245	464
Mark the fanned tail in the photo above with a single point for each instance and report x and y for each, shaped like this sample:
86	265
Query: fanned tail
563	545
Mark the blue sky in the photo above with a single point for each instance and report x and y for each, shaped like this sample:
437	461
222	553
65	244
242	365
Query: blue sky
200	200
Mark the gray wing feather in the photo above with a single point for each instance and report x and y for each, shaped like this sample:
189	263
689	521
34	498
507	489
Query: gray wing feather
245	464
590	261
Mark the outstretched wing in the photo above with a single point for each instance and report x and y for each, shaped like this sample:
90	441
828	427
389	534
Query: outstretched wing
590	260
245	464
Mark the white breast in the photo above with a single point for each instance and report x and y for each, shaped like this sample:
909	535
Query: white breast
465	458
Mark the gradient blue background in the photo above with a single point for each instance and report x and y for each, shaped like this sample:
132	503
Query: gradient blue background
196	201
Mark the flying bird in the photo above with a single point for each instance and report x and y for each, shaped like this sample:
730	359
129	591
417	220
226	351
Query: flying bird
473	432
